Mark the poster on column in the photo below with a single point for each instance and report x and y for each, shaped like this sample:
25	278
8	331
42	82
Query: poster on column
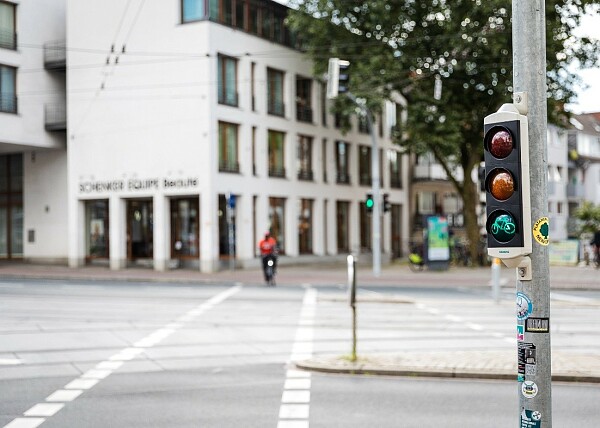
438	248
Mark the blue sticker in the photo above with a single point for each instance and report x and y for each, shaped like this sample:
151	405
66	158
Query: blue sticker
524	306
520	378
520	332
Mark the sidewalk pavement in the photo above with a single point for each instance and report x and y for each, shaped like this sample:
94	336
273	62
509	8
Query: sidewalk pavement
566	366
397	274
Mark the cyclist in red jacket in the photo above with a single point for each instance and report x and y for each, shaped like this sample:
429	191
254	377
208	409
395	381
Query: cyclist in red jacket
268	251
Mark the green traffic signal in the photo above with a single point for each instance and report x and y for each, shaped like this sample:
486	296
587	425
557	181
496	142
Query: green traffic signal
369	203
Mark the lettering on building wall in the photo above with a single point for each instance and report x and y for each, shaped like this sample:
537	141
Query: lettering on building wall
134	184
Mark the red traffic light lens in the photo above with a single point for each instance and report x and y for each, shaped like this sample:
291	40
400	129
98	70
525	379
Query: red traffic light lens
501	184
501	143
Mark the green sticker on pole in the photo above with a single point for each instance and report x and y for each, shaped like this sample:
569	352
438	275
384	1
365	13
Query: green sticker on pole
531	419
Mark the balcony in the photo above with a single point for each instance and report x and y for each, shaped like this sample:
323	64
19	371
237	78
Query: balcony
276	171
276	108
55	56
8	103
342	178
55	117
229	98
305	175
8	39
575	191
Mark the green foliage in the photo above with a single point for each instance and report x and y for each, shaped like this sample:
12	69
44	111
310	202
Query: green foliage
403	46
589	216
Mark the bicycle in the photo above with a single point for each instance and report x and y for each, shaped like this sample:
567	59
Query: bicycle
270	270
416	262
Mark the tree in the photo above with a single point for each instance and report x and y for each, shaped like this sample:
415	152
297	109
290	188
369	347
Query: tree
588	215
405	45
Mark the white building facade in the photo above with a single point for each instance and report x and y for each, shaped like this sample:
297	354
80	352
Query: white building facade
174	106
33	157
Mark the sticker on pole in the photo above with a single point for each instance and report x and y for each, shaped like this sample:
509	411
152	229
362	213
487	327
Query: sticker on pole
531	419
541	230
529	389
524	306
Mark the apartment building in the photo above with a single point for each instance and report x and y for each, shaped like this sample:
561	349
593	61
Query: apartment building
33	157
195	126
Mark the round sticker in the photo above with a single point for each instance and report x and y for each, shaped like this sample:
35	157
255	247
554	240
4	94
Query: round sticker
529	389
524	306
541	230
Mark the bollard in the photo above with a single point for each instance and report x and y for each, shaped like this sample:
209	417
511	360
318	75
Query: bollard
352	300
496	279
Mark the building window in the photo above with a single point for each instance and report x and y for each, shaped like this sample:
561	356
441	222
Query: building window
304	112
228	147
227	218
96	223
396	121
11	206
342	122
8	35
366	239
323	104
343	226
275	92
8	93
426	203
254	150
324	159
277	221
395	169
364	165
305	158
342	155
363	124
227	85
185	226
252	85
192	10
253	18
276	154
305	243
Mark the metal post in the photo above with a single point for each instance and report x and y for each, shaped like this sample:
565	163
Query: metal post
496	279
376	196
352	300
529	71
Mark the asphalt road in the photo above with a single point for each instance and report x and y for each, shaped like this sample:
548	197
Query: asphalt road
97	354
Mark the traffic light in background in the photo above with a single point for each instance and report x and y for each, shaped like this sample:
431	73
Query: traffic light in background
369	202
338	77
508	204
386	203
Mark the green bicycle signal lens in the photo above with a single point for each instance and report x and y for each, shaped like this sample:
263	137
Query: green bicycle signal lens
502	226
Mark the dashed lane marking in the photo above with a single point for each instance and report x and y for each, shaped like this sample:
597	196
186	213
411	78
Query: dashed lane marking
37	414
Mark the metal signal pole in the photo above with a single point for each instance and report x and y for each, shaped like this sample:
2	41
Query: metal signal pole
533	296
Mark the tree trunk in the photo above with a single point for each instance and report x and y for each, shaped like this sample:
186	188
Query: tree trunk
470	201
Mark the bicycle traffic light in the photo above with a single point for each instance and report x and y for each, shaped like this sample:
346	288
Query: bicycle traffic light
369	203
508	204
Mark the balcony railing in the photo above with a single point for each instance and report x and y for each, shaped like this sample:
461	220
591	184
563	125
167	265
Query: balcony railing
304	113
8	39
305	175
575	191
276	108
395	182
8	103
342	178
276	171
229	99
55	55
55	117
226	165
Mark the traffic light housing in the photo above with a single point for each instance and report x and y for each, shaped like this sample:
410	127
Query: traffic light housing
338	77
386	203
369	203
507	188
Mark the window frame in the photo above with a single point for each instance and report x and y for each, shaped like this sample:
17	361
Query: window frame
12	38
223	89
305	157
12	100
273	108
226	163
276	160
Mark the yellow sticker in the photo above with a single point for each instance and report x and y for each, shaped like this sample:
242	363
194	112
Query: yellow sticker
541	230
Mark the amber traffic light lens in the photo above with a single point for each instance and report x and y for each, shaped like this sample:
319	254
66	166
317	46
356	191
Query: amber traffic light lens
501	144
501	184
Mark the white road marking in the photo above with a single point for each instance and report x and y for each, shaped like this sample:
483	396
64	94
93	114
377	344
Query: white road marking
570	298
295	400
105	368
10	362
473	326
25	423
64	395
44	409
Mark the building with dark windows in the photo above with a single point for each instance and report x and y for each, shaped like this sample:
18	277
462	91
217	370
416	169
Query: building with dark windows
169	134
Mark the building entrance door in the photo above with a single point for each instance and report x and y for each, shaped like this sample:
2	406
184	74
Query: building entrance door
185	228
11	206
139	229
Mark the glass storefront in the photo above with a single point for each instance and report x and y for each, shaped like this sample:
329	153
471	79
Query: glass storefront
96	229
185	228
305	229
140	226
343	226
277	221
11	206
